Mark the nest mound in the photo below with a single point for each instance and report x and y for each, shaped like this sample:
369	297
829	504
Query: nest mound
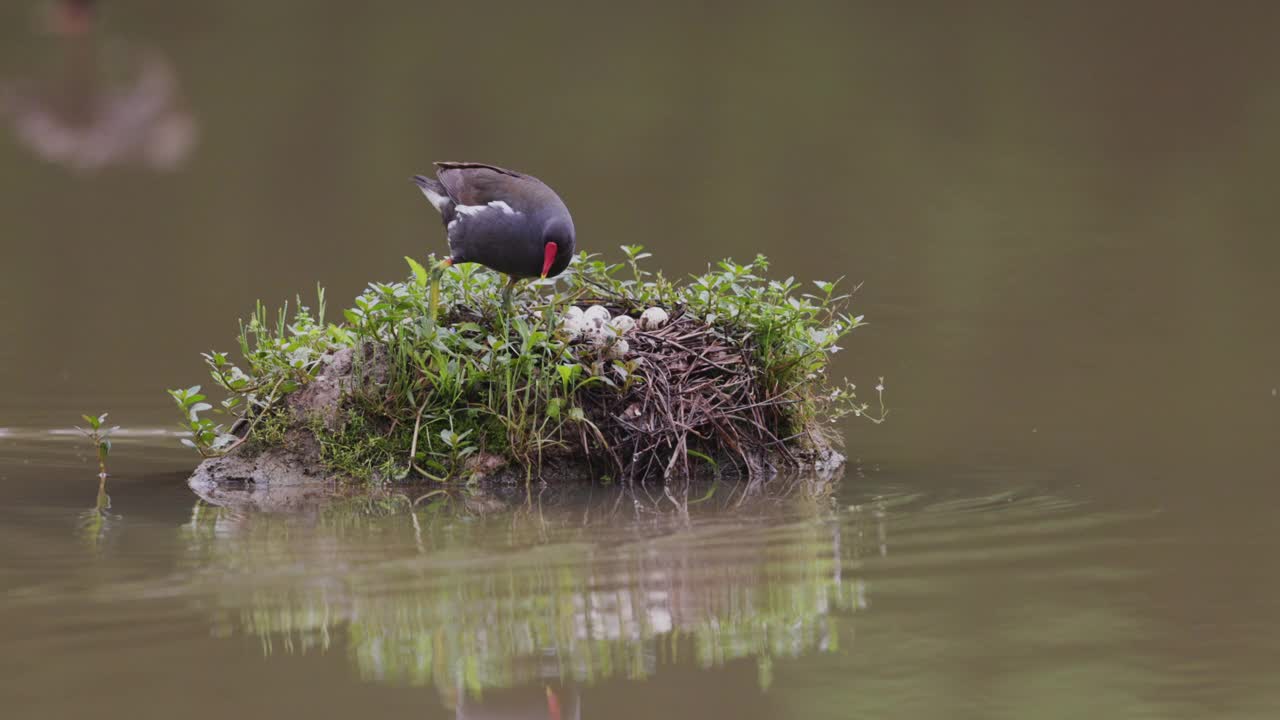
633	377
693	406
699	391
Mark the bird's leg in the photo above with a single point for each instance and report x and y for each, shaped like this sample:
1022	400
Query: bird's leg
506	293
434	300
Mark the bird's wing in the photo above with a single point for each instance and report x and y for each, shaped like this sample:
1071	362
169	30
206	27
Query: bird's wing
476	183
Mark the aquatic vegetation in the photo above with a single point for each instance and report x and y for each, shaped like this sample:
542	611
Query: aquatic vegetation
607	363
100	435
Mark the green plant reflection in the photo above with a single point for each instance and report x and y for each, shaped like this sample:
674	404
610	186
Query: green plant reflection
477	592
96	522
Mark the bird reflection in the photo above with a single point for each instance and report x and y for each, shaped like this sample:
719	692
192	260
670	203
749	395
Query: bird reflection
96	101
520	704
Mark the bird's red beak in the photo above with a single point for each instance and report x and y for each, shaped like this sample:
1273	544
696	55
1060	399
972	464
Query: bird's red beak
548	257
73	19
553	704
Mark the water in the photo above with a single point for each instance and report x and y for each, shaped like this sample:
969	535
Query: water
1064	221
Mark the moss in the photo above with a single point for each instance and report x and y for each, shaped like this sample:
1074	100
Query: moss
362	450
271	429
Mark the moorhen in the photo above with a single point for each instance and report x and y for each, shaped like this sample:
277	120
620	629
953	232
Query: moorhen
502	219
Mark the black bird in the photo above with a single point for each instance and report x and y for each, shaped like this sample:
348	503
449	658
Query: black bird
502	219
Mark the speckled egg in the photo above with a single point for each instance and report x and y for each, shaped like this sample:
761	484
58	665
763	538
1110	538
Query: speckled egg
653	318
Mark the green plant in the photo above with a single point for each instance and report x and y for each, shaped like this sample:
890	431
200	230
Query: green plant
280	355
100	435
793	334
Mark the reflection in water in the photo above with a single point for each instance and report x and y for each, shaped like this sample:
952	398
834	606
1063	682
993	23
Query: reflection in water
97	521
563	592
990	599
521	704
98	101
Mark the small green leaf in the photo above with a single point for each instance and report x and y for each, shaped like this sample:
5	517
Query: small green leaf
420	275
568	372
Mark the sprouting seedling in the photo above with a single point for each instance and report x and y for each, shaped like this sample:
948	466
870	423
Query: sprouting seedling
100	435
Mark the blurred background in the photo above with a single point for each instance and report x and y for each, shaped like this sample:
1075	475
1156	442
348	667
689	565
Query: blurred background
1062	215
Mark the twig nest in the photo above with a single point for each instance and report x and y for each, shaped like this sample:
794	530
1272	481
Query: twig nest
653	318
622	324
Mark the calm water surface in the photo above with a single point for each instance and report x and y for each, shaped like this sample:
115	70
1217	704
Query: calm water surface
1065	223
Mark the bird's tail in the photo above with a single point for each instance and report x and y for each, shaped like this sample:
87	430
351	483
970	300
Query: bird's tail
436	193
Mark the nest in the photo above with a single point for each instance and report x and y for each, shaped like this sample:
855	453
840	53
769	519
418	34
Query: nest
684	398
697	393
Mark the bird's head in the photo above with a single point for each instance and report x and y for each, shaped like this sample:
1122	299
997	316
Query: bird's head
557	247
72	18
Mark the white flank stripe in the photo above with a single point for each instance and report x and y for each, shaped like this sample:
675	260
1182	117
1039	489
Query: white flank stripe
472	210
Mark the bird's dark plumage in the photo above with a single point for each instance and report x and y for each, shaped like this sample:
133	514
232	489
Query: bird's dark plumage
502	219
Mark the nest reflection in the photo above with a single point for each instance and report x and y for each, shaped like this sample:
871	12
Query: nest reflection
491	592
